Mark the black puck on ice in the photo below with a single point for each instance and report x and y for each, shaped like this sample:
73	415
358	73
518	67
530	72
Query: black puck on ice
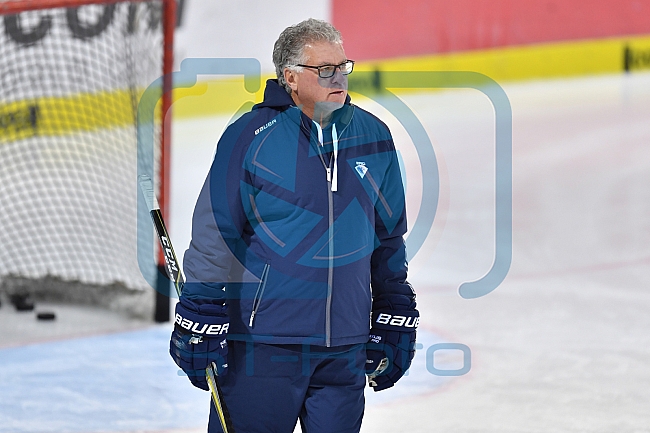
45	315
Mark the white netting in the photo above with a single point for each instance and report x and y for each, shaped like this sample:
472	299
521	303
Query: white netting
70	81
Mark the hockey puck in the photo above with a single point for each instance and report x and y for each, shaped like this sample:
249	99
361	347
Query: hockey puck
46	315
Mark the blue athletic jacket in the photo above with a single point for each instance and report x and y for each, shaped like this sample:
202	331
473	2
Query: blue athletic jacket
297	228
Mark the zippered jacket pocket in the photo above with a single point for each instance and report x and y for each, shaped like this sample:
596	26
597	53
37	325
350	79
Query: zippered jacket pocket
259	293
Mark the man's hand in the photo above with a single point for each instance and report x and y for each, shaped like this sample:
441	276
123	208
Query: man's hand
391	347
199	338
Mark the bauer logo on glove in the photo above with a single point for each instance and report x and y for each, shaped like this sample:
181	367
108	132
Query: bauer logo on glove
198	328
395	320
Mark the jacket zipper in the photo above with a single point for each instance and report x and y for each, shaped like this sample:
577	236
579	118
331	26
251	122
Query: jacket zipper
260	292
330	259
330	268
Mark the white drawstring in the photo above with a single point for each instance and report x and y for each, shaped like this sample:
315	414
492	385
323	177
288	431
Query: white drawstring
335	141
320	133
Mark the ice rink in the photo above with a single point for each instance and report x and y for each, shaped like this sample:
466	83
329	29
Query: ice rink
562	345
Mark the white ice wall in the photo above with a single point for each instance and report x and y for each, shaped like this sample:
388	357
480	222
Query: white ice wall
240	28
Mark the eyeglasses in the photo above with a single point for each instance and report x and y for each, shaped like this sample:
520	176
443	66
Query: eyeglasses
327	71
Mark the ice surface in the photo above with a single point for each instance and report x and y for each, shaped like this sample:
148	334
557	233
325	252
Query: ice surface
561	346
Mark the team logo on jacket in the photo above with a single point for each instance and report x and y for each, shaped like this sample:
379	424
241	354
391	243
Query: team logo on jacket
361	168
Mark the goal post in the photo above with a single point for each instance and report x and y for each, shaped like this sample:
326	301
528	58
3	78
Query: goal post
71	75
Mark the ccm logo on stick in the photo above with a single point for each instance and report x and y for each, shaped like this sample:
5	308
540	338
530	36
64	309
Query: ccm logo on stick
169	255
194	326
389	319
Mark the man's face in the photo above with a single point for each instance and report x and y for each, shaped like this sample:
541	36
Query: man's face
319	96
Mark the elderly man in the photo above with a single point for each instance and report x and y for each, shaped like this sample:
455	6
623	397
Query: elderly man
297	250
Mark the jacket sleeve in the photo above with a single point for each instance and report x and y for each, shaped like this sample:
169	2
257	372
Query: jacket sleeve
388	262
217	223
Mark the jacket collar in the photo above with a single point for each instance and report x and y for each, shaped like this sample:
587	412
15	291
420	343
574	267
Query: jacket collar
276	97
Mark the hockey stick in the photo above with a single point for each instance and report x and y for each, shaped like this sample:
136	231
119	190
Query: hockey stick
175	274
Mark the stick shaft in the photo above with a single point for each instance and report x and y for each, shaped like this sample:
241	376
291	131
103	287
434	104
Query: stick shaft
176	275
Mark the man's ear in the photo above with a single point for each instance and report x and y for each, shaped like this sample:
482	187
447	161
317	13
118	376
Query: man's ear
291	77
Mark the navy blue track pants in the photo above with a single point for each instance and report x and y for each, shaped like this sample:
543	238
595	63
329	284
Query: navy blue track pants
269	387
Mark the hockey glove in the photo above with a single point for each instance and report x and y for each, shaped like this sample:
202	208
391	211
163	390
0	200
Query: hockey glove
392	340
199	338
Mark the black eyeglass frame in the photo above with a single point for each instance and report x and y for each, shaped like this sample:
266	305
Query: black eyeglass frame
335	67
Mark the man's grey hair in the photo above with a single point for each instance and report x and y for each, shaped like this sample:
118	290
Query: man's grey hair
288	50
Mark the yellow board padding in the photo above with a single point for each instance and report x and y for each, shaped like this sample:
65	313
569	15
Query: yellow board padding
211	97
540	61
87	112
53	116
551	60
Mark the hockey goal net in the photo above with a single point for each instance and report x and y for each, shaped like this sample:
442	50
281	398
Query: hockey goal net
71	76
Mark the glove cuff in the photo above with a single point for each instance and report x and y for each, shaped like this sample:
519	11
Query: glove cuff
396	320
